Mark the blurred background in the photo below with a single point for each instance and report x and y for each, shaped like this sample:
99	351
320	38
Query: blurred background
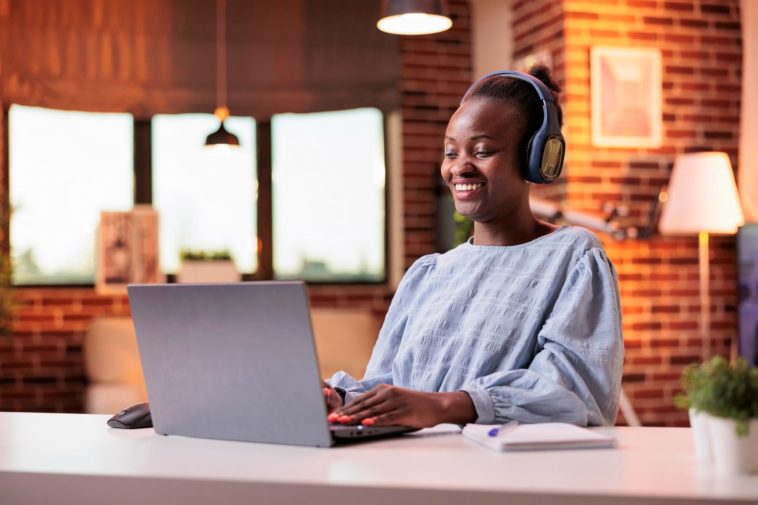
106	109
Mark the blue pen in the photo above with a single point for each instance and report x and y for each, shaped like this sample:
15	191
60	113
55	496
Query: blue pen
498	430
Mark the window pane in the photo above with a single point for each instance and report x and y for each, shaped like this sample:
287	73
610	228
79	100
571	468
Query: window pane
328	184
65	167
205	197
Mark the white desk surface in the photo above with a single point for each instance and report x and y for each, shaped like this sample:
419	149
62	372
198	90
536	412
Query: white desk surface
78	459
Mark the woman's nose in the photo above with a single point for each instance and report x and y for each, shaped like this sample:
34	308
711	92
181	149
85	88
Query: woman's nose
462	166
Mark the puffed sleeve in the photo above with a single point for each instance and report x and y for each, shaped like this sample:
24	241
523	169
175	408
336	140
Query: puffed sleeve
575	375
379	368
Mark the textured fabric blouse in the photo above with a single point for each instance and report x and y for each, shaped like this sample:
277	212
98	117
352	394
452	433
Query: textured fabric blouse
532	332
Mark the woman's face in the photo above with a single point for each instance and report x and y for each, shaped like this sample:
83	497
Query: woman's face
481	160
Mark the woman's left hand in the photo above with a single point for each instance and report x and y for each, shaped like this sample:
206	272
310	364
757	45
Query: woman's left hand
391	405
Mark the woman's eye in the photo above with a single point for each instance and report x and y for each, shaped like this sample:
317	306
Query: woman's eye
450	155
483	154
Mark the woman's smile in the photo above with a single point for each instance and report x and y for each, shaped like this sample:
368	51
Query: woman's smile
467	190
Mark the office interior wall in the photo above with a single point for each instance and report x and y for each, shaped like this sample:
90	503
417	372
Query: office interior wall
538	28
492	37
701	59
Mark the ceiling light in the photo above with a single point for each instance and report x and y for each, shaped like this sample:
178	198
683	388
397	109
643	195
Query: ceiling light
414	17
221	137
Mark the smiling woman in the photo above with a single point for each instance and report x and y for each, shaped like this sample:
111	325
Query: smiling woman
522	322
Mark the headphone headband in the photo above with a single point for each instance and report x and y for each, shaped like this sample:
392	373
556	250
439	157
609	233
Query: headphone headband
542	91
546	148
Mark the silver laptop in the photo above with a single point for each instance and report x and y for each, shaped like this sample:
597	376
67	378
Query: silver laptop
235	362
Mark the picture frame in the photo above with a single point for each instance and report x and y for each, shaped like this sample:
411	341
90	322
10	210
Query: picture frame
626	97
127	249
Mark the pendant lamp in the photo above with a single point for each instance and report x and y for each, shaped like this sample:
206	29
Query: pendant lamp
221	137
414	17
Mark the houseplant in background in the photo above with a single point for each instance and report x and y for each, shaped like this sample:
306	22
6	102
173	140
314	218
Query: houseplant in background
206	266
692	380
723	402
464	228
7	303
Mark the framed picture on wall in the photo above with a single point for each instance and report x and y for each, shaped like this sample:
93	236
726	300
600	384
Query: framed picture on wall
626	97
127	249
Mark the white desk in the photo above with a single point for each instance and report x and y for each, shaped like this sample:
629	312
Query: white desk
76	459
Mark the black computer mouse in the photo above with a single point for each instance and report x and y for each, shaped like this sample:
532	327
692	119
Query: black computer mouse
136	416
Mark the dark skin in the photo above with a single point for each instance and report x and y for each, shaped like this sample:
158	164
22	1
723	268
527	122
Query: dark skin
481	168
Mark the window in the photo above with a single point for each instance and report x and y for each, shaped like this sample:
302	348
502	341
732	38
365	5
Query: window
205	198
321	177
328	195
65	167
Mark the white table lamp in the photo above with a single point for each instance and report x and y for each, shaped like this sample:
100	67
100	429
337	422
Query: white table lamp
702	199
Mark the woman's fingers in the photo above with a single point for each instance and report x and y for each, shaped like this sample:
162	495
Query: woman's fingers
361	403
331	397
386	419
356	416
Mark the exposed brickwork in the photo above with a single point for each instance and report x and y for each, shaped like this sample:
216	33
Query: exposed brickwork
537	27
41	366
701	54
436	71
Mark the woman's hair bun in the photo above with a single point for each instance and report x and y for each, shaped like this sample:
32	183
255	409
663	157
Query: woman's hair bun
542	72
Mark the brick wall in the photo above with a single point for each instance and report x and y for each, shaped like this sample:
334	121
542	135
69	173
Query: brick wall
701	54
436	71
537	27
41	365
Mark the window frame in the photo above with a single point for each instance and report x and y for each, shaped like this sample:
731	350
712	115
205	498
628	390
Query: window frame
143	194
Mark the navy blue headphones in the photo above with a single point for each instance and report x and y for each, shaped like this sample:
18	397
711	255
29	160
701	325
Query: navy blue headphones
546	148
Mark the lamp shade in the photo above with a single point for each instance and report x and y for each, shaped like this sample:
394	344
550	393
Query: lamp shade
702	196
414	17
222	137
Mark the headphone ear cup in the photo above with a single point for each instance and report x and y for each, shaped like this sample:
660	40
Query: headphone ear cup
533	170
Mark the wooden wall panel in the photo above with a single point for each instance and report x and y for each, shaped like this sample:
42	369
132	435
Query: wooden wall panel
158	56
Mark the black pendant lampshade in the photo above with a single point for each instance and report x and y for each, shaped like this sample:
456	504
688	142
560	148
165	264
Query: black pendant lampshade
222	136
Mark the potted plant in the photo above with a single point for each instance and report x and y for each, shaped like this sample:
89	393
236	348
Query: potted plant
723	402
7	297
206	266
692	382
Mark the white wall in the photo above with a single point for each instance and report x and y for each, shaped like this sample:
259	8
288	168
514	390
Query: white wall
492	36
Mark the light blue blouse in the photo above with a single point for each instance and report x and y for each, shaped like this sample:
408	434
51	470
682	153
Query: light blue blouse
531	332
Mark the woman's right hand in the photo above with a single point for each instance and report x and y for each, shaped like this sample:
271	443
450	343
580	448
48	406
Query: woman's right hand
332	398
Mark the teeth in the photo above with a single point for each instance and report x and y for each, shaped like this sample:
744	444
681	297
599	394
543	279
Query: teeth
468	187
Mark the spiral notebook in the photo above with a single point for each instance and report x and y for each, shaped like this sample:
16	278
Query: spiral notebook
535	437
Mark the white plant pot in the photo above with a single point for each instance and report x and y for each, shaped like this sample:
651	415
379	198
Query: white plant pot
732	454
701	434
207	271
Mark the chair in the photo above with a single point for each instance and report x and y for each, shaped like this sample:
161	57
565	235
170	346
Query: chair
344	339
113	367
